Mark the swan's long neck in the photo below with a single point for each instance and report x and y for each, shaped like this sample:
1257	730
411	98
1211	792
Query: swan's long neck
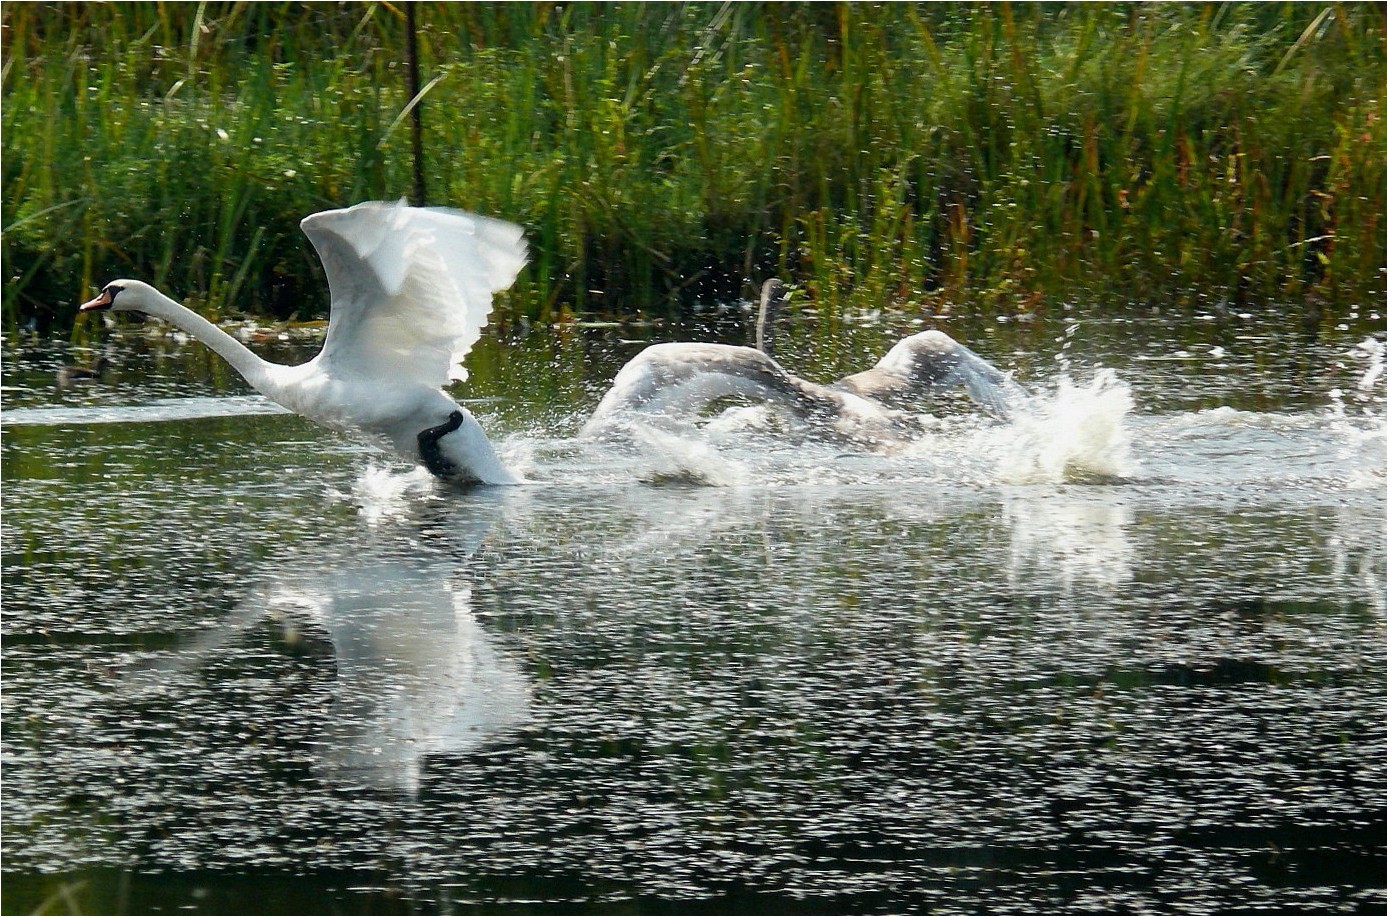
252	368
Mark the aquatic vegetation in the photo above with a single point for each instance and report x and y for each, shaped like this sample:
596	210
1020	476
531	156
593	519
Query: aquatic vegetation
982	158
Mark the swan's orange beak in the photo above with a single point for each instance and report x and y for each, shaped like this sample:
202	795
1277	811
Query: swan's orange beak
103	300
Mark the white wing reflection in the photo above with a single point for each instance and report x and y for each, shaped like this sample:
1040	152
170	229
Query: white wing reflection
416	673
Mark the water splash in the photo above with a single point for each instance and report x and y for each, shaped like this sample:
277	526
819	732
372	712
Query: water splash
675	459
384	492
1361	443
1365	394
1357	423
1076	435
1374	351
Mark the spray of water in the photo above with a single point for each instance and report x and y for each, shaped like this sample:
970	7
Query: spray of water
1357	420
1077	434
678	459
1373	351
1073	434
384	491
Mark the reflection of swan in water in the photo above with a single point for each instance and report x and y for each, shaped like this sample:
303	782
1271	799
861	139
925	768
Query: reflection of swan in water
682	379
411	291
416	674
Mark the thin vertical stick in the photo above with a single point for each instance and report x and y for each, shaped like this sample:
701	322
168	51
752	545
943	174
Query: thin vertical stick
417	113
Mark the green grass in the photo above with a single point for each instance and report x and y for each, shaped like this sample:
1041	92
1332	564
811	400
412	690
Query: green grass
987	158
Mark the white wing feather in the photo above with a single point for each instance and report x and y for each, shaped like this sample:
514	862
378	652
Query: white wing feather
411	287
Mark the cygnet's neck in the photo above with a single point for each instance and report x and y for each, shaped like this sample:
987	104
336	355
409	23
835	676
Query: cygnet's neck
773	297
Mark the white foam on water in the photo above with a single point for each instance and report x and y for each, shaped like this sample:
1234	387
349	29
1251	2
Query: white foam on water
1362	445
1077	434
385	491
672	458
1373	351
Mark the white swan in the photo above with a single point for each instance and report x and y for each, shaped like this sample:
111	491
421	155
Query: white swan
411	291
683	379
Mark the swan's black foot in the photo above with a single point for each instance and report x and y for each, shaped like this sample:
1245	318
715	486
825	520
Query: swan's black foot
431	454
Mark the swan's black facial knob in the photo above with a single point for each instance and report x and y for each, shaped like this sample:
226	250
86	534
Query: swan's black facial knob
104	300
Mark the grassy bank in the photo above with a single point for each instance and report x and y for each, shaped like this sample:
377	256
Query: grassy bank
990	157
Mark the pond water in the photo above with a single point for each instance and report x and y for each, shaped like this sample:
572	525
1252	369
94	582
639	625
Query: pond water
1125	654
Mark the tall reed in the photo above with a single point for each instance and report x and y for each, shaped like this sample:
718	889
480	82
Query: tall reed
954	157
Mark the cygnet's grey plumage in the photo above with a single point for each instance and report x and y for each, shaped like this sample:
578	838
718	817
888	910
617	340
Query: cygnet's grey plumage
932	362
773	297
682	379
70	374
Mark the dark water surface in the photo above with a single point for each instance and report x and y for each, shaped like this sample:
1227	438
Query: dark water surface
1126	655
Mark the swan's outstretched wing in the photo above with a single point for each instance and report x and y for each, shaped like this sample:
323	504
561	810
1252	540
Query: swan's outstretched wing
930	362
411	287
681	379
